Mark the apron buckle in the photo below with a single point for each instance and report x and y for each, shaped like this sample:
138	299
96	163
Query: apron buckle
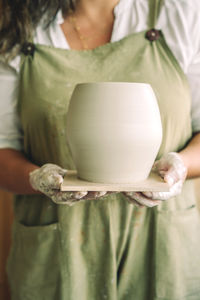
152	35
28	49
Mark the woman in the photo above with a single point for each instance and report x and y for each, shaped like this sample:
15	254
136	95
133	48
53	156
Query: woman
103	248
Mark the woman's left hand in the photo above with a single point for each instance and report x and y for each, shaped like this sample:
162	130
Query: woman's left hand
172	169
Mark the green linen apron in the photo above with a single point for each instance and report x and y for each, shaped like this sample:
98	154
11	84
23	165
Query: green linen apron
102	249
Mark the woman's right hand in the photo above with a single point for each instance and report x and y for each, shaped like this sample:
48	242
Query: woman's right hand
48	180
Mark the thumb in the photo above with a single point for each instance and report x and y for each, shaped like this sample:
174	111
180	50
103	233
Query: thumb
169	178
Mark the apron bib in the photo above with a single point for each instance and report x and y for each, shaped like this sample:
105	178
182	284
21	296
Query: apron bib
102	249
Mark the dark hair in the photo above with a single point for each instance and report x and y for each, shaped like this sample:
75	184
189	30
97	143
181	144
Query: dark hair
19	18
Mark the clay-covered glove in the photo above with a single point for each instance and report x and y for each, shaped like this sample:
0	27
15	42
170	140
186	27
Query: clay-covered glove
48	180
172	169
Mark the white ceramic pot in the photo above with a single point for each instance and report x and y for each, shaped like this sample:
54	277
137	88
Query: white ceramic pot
114	131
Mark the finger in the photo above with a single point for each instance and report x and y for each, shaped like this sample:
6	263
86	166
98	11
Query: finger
79	195
99	194
170	178
62	172
51	181
160	165
132	201
157	196
67	197
175	174
94	195
143	200
175	189
59	198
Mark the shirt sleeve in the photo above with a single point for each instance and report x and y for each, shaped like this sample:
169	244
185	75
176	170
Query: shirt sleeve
194	82
11	135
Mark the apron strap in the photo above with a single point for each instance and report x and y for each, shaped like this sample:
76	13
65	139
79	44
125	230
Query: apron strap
154	10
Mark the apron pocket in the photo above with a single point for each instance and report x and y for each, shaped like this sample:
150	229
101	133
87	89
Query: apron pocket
34	262
177	255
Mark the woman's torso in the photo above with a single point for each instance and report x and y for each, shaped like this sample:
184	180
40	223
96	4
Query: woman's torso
179	22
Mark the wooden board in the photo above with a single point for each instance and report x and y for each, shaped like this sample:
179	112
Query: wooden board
153	183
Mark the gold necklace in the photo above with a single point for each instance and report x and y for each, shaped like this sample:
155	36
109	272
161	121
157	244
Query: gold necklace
77	28
83	39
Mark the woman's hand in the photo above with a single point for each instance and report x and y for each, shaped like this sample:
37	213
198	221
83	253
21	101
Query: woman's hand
172	169
48	180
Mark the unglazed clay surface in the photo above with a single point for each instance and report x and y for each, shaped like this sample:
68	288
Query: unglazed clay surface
114	131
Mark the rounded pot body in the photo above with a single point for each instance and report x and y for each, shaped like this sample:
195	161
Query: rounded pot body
114	131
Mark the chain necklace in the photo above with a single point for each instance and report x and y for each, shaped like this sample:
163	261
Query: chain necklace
77	28
83	39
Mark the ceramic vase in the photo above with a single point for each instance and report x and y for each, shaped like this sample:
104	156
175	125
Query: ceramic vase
114	131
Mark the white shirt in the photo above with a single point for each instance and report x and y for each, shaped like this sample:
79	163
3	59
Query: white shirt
179	21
